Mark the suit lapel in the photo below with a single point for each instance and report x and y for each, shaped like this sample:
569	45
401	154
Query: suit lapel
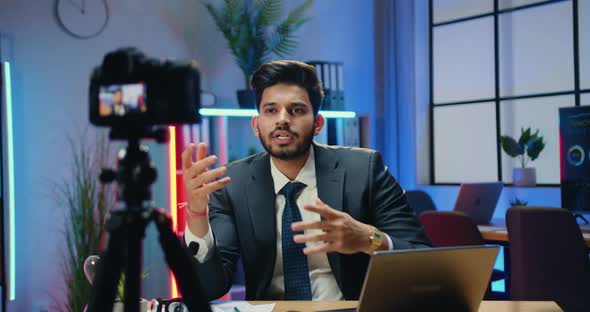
330	184
330	178
261	205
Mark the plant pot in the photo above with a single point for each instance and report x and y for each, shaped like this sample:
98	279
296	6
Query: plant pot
524	176
118	306
246	99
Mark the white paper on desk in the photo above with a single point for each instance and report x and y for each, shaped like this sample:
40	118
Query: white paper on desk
490	228
242	306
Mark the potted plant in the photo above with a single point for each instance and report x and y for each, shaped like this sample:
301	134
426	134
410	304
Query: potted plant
529	146
86	202
253	31
517	202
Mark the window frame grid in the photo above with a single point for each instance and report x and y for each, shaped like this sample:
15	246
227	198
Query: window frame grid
497	98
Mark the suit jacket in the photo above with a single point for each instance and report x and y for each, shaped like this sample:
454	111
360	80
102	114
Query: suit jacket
243	218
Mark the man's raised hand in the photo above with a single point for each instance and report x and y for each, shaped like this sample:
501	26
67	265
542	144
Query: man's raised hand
199	181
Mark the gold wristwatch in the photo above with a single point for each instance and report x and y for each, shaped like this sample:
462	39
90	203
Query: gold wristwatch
376	238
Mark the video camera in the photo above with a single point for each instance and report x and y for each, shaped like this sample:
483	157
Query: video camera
130	90
133	94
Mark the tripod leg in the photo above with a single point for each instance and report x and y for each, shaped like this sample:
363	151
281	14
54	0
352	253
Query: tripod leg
179	262
108	274
135	232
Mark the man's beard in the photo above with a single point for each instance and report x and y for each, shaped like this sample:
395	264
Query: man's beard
300	149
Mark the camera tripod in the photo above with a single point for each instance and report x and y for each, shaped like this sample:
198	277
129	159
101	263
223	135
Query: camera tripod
127	229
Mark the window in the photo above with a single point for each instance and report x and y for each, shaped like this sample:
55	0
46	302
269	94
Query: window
498	66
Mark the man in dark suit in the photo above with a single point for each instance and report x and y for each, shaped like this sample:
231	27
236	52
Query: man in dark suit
304	217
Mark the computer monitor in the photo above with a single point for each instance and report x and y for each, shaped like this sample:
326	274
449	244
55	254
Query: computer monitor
574	142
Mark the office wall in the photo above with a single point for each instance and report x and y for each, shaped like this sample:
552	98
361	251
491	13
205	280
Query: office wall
51	71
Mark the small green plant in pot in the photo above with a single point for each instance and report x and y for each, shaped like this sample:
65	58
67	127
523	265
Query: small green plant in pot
254	31
528	147
518	202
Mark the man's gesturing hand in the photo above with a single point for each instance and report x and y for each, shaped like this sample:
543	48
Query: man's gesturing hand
340	232
199	181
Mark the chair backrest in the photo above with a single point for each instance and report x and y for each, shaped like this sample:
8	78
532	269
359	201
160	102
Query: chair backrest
450	228
548	256
420	201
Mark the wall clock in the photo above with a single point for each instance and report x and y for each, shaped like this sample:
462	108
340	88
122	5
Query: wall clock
82	19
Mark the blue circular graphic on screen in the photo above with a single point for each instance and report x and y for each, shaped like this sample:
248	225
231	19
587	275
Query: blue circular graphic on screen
575	155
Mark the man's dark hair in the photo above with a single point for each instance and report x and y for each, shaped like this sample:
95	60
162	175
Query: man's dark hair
288	72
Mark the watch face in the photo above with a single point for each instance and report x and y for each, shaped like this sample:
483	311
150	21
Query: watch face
375	236
82	18
378	236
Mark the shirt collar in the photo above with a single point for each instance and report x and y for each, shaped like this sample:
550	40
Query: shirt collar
306	175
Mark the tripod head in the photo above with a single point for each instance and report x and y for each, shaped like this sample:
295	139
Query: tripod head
136	172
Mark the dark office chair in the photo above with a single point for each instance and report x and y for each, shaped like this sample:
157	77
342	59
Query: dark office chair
420	201
549	257
452	228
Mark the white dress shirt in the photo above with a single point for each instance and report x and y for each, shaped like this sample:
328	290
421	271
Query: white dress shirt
323	283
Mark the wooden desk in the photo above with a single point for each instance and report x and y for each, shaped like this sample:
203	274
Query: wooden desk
497	232
486	306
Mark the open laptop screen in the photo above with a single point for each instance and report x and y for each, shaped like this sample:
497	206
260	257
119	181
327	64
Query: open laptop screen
435	279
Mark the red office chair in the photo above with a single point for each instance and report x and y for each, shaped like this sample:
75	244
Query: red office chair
549	257
452	228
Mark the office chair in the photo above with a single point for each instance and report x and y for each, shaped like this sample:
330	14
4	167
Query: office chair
452	228
549	257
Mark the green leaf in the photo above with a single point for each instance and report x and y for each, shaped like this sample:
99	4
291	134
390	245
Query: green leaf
525	136
121	287
121	284
518	202
270	13
282	43
297	16
511	147
535	146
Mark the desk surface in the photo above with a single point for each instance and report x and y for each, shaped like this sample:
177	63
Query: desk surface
497	231
486	306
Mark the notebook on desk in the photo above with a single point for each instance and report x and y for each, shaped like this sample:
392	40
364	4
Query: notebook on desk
437	279
478	200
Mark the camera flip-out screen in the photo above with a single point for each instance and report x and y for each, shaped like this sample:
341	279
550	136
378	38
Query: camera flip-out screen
122	99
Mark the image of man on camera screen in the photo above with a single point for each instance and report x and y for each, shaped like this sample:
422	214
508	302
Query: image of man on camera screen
119	100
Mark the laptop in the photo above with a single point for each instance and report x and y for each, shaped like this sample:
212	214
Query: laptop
479	200
435	279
